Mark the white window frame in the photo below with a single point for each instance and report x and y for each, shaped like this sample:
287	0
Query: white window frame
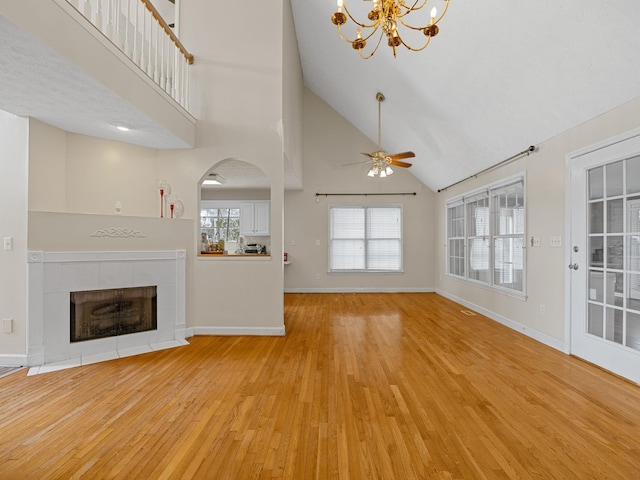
366	240
487	196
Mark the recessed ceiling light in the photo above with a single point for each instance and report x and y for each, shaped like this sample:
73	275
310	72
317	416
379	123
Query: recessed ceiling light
214	179
123	127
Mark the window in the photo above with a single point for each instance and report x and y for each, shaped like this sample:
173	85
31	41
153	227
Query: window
220	223
365	239
485	236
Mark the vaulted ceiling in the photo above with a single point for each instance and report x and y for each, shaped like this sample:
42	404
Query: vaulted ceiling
499	77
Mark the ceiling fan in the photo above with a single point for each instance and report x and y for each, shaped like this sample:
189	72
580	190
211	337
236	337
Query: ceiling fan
380	160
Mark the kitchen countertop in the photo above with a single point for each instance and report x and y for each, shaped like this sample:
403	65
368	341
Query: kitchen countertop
215	254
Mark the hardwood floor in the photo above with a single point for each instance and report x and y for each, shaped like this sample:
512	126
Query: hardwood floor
363	386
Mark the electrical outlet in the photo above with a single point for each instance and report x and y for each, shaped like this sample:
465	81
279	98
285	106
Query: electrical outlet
542	309
293	243
317	276
318	242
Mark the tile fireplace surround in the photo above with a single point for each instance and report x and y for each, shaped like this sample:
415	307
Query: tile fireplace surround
52	276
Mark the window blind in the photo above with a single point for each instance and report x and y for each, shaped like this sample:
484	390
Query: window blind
365	239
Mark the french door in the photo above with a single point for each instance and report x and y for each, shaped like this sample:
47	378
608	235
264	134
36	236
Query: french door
604	254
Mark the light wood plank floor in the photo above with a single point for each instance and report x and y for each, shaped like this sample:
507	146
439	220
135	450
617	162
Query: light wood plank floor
363	386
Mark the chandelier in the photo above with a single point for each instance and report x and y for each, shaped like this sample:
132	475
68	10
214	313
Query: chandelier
385	17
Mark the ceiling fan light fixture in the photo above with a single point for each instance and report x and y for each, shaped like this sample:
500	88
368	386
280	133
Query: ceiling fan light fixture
384	19
380	160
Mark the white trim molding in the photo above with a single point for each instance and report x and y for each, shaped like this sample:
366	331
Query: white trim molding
529	332
257	331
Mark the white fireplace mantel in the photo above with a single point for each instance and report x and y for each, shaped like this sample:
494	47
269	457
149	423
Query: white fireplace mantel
52	276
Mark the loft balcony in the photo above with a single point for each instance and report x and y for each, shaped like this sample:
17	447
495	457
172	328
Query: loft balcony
89	66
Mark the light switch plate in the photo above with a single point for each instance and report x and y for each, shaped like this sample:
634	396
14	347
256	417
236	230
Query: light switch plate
556	241
7	325
8	243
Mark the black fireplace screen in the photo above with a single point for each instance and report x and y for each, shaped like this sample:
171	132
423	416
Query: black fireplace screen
108	313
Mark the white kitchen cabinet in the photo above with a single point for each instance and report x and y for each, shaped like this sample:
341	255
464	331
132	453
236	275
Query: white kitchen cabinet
254	219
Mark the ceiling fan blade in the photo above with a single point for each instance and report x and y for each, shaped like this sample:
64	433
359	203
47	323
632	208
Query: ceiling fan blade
397	156
355	163
370	155
398	163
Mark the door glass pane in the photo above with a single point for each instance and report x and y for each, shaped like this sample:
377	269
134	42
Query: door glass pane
614	179
614	285
613	325
633	330
633	215
633	253
614	252
596	217
615	218
596	189
596	252
594	322
596	286
633	291
633	175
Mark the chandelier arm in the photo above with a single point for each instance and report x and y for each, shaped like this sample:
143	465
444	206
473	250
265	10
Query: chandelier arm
373	51
351	41
412	8
446	7
363	25
409	47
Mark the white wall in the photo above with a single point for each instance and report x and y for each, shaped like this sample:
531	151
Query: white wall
237	97
329	143
47	167
101	172
546	266
14	168
292	92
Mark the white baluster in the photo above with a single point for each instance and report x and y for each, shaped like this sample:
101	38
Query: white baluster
127	44
99	21
165	59
137	39
149	38
110	26
86	10
118	23
185	102
171	50
156	63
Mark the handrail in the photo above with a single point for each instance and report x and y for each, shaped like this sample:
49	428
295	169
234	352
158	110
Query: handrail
168	30
143	36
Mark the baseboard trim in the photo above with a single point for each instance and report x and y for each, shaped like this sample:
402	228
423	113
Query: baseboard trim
361	290
17	360
529	332
256	331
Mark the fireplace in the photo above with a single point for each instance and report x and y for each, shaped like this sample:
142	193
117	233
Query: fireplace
108	313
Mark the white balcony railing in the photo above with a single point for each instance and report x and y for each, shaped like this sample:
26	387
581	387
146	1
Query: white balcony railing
138	30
